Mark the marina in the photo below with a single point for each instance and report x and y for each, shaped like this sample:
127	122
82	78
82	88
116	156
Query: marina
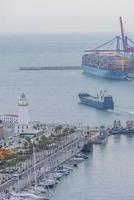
35	157
46	161
47	170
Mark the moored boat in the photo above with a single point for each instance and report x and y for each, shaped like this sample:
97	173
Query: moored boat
103	136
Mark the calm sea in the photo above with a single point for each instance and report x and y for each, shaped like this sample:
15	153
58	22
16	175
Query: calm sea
108	174
53	96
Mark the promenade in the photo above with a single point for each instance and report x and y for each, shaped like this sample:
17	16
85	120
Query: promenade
47	160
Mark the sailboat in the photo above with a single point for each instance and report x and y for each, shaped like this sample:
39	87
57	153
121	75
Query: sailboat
27	195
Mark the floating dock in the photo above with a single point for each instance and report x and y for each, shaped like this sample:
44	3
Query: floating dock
51	68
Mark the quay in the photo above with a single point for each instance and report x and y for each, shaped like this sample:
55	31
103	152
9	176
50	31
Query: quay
31	150
51	68
47	160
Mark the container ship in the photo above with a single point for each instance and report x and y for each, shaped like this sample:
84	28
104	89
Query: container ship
114	63
102	101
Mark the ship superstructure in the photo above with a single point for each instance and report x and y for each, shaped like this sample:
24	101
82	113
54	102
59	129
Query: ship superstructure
111	62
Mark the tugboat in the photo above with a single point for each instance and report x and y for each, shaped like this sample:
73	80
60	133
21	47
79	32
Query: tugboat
130	127
102	101
103	136
118	129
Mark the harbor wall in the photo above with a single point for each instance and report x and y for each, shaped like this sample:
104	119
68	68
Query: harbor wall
51	68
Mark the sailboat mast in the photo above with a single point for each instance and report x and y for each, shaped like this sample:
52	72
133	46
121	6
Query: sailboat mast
35	175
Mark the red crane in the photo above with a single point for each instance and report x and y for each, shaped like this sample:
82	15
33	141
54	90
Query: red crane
124	44
122	34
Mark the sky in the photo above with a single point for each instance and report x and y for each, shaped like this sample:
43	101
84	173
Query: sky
46	16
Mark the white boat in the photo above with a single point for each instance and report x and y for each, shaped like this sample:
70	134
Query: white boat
49	183
34	194
57	175
26	196
77	159
68	166
39	190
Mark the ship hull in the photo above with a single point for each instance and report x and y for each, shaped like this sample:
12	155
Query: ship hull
104	73
95	104
101	140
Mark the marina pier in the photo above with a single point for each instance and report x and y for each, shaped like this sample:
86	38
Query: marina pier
47	160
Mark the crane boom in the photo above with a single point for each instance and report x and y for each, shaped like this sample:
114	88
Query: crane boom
122	34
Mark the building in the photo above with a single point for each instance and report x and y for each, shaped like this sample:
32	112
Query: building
1	130
24	126
8	123
9	119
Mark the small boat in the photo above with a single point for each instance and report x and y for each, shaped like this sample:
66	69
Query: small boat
81	155
26	196
56	175
119	129
64	172
48	182
67	167
39	190
103	136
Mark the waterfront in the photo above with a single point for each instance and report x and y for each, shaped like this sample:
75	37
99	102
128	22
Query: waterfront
107	174
49	159
53	98
53	94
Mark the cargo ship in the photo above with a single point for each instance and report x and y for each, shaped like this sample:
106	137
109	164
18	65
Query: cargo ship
102	101
114	63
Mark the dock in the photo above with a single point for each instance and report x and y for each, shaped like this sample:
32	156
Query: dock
51	68
47	160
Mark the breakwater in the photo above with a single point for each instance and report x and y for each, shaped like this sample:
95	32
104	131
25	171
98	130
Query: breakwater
51	68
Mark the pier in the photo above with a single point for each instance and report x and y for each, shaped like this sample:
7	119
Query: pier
51	68
47	160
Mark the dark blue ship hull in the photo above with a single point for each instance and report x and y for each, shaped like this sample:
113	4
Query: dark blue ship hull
98	104
105	104
104	73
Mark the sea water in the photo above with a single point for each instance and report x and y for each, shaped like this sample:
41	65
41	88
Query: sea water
53	98
53	95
